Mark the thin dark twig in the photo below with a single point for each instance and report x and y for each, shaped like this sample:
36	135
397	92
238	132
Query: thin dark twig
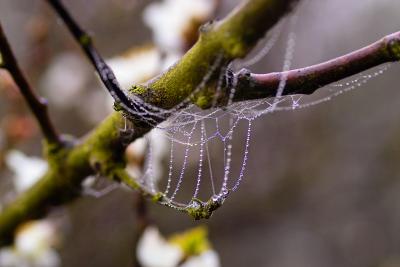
37	104
1	61
142	221
85	41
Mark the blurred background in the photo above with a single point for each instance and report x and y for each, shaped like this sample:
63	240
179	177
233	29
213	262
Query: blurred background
321	185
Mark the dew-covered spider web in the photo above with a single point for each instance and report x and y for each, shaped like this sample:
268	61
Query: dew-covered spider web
201	171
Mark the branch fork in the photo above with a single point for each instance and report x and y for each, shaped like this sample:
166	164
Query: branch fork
101	150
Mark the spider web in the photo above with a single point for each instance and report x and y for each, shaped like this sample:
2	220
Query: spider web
193	181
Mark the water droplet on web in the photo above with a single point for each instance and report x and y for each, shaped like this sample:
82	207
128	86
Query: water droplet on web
194	204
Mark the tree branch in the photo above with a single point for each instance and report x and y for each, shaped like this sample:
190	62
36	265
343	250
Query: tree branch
230	38
102	150
37	105
307	80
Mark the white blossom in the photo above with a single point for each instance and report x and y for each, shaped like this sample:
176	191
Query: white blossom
156	144
154	251
136	66
138	148
65	79
170	19
160	149
206	259
33	247
136	151
27	170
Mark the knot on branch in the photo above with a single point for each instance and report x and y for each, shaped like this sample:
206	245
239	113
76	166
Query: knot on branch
217	93
85	40
206	27
198	209
394	48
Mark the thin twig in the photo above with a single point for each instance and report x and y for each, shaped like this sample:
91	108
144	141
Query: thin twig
102	148
141	223
37	104
85	42
1	61
307	80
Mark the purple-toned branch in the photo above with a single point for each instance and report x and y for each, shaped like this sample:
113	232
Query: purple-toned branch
37	104
307	80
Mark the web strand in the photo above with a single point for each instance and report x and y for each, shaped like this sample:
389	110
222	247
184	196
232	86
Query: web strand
204	135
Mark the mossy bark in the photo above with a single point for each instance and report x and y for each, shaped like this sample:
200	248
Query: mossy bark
102	150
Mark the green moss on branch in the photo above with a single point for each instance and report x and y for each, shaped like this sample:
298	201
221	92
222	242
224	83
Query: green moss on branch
102	150
230	38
